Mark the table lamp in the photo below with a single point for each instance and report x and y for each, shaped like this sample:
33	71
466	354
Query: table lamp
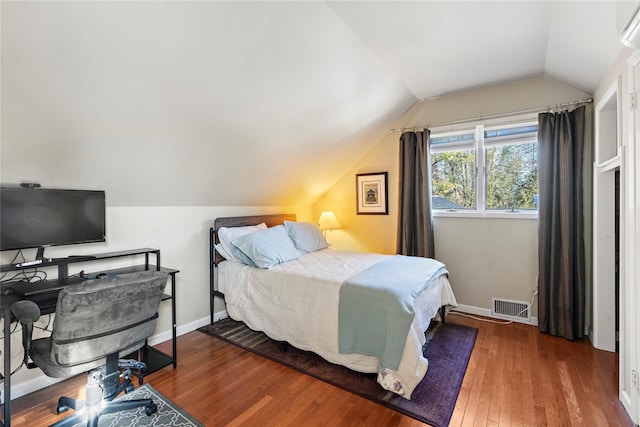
328	221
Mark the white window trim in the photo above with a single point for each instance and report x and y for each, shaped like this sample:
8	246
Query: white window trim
504	214
481	205
479	146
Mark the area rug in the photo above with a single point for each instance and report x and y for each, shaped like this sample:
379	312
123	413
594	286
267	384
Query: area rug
433	400
168	414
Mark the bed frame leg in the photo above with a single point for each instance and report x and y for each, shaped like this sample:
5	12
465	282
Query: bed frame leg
443	312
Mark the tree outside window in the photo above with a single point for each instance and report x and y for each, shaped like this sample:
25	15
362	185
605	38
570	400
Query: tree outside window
454	179
512	176
486	169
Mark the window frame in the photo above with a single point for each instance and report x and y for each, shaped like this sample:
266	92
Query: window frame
479	145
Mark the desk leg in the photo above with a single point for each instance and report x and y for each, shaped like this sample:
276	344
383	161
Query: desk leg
7	366
173	320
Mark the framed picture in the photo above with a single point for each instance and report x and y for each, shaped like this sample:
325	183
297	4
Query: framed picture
371	194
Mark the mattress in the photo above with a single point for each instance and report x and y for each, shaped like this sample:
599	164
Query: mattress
297	302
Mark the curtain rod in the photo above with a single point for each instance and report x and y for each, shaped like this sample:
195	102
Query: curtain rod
497	116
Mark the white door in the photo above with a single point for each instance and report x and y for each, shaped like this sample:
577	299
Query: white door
630	248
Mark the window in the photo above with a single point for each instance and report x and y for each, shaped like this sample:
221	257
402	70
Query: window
453	171
486	168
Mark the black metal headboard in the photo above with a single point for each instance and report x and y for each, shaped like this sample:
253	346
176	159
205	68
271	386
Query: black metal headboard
237	221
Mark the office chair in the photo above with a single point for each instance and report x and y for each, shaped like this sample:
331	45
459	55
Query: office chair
96	322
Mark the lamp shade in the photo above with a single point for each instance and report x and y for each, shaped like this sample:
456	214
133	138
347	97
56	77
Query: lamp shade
328	221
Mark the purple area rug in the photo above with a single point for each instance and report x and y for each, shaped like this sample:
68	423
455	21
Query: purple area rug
432	402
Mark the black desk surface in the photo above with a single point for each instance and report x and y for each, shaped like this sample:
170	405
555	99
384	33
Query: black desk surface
73	259
51	288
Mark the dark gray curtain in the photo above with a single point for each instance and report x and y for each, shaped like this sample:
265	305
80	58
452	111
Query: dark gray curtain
415	227
561	249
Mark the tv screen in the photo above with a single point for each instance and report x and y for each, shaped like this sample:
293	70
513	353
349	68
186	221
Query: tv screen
35	217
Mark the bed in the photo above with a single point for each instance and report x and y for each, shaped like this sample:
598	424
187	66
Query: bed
326	300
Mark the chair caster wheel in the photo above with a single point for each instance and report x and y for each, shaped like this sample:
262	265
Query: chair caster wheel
129	388
151	409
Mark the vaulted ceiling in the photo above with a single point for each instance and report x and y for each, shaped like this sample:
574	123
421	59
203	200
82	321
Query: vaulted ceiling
437	47
256	103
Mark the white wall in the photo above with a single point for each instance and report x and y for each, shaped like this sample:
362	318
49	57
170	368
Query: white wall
182	235
489	257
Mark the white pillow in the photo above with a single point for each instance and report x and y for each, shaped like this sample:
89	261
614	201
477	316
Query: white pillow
268	247
226	235
306	236
222	251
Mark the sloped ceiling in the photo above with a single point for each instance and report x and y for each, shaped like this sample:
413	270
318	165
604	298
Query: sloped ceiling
438	47
256	103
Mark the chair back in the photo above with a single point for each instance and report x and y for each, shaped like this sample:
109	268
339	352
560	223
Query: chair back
103	316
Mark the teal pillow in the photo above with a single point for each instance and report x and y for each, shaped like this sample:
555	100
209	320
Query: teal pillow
306	236
267	248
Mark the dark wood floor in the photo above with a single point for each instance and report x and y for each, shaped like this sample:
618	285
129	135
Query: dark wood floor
516	377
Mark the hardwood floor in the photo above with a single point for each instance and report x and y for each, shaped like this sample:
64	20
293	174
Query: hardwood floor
516	377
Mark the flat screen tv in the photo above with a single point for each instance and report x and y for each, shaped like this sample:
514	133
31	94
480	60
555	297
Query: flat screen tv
37	218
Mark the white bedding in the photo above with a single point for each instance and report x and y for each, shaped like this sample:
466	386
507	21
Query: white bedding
297	302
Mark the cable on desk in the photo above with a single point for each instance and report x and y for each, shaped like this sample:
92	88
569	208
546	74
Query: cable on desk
14	330
27	276
45	327
13	261
30	275
10	333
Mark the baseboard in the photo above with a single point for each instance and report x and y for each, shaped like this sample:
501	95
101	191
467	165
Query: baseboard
29	386
180	330
19	389
485	312
220	315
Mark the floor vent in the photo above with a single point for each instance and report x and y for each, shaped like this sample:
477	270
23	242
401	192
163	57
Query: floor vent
509	309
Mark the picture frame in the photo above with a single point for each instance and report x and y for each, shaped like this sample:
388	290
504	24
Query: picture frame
371	194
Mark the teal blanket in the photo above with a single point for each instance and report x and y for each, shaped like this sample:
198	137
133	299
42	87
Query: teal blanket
375	310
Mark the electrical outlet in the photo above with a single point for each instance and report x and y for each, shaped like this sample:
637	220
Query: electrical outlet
634	378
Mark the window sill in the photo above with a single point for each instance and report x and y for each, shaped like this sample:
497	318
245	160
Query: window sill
486	214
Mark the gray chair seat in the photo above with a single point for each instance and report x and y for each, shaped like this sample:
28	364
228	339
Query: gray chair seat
40	350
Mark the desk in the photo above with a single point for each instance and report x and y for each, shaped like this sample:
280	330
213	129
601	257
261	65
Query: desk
154	358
